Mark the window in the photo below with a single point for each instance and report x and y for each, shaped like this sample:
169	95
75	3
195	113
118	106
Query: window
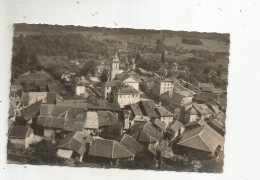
133	95
119	96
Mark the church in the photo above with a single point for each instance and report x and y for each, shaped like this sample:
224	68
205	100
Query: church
128	79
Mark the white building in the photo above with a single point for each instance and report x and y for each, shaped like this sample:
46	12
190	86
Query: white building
126	95
162	85
80	88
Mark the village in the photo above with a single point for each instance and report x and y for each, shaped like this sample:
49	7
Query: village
134	118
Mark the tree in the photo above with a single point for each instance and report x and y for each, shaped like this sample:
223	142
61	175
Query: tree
104	75
89	68
206	70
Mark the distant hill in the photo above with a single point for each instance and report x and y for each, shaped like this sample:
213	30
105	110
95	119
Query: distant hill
45	28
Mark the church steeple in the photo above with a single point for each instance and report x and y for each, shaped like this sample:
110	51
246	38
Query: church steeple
114	70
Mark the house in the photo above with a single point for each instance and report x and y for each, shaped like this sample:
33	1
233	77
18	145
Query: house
20	137
176	129
162	85
73	145
161	125
131	144
203	110
112	132
205	85
191	115
91	125
204	97
125	95
106	118
129	78
81	88
148	109
56	121
164	115
110	150
200	142
29	112
146	133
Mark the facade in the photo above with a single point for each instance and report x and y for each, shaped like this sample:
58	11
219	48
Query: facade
162	85
20	137
126	95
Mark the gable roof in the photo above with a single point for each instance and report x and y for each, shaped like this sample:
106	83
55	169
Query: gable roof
131	143
106	118
202	138
53	110
204	97
163	112
127	90
75	141
176	126
160	124
148	108
136	109
176	99
108	149
19	132
73	103
202	108
201	85
30	111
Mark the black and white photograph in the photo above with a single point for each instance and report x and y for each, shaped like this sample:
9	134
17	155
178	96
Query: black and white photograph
129	89
118	98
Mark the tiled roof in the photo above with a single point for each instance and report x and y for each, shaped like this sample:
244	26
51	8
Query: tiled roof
108	149
106	118
53	110
176	99
136	109
148	108
202	109
30	111
202	138
127	90
75	141
19	132
207	96
131	143
111	83
176	126
160	124
163	112
73	103
201	85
